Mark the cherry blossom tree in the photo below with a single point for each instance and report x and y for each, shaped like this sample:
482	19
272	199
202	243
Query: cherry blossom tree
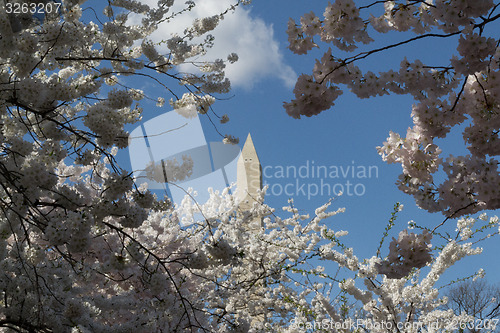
400	292
81	247
462	91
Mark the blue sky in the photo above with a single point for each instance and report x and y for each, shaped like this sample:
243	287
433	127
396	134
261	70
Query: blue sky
345	136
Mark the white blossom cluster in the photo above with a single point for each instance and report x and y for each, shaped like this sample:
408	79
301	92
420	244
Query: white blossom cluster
202	26
190	104
407	252
464	91
170	170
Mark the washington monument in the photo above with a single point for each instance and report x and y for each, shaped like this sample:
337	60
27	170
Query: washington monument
249	179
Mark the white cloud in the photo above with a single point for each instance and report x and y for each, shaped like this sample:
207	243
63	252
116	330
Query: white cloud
251	38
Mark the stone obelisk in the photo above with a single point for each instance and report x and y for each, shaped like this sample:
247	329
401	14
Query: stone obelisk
249	179
248	184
